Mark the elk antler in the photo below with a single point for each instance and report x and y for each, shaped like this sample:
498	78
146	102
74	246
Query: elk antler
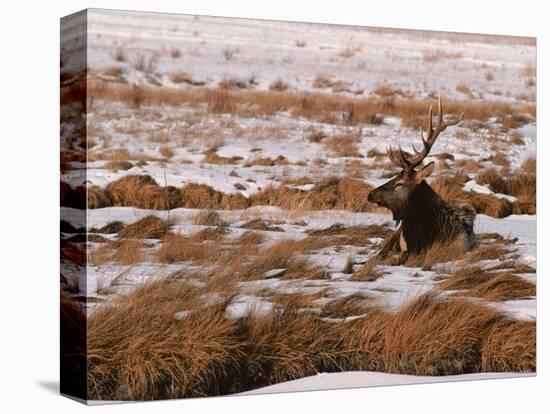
408	161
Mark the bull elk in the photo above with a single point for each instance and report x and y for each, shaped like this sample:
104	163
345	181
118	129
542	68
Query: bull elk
423	218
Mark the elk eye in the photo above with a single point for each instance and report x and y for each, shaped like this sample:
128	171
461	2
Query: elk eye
398	184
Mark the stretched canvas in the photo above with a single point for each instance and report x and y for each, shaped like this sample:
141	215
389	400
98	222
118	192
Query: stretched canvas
253	206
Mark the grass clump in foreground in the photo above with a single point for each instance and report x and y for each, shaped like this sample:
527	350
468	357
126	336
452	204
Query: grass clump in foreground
165	341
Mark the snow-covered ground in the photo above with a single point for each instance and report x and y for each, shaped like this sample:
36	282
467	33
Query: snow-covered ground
395	288
340	380
211	49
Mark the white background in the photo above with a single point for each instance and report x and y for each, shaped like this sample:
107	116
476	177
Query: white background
29	213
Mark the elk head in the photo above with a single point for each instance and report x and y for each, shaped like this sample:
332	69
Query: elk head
395	194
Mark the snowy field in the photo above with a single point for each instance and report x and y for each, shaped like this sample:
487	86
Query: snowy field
242	155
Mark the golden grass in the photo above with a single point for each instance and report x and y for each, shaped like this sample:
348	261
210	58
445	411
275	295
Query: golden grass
352	235
166	152
440	252
284	254
529	166
278	85
138	351
504	286
183	77
208	218
450	189
211	157
311	105
332	193
98	198
510	345
118	165
522	186
204	197
499	159
122	252
142	191
164	341
492	286
464	89
148	227
369	272
344	145
177	248
355	304
267	162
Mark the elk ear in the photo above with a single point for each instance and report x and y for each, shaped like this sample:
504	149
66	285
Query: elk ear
425	172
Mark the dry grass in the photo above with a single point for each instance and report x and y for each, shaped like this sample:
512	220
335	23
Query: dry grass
208	218
118	165
464	89
434	337
515	138
267	162
348	52
441	252
122	252
338	234
529	71
178	248
166	152
331	193
211	157
521	186
356	304
204	197
504	286
262	225
284	254
500	159
436	55
510	344
529	166
467	164
450	189
315	106
489	251
369	272
344	145
137	351
98	198
476	282
184	347
148	227
118	154
278	85
143	192
114	71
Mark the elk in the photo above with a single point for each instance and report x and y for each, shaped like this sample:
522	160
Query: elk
422	216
